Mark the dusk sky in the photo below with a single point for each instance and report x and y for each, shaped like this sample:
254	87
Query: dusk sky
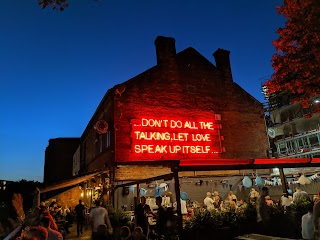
56	66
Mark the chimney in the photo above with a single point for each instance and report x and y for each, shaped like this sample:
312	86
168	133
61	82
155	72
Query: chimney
166	51
222	58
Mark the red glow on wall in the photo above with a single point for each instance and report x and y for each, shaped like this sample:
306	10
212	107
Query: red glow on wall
280	160
216	162
315	160
176	136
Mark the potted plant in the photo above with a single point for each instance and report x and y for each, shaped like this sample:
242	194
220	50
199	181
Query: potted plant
118	218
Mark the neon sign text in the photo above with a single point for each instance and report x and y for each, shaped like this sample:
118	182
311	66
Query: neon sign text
164	136
171	149
172	136
176	124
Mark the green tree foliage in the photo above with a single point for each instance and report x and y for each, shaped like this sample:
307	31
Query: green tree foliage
297	60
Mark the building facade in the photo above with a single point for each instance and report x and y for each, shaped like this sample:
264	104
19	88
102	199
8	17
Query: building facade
294	131
76	162
58	163
184	108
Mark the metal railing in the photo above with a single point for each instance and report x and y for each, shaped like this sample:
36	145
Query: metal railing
14	233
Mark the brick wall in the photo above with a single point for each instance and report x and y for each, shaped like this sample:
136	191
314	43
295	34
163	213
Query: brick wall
183	86
125	173
154	95
69	198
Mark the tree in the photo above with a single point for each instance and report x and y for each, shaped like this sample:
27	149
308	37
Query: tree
25	188
55	4
297	60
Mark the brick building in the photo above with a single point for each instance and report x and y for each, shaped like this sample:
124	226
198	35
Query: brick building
184	108
59	158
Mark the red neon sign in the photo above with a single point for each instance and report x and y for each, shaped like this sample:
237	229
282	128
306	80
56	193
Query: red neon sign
168	136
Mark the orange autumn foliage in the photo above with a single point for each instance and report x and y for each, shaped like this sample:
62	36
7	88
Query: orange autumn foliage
17	202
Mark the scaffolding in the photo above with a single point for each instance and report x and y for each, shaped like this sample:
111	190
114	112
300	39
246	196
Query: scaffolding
300	145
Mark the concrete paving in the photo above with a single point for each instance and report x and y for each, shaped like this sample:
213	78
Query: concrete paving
260	237
86	234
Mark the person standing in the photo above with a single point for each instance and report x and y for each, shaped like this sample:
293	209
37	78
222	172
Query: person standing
299	194
316	216
161	217
141	215
253	195
216	199
80	212
307	224
99	216
263	216
208	201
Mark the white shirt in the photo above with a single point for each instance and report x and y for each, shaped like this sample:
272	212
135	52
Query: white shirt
183	203
208	202
307	226
285	201
98	216
184	209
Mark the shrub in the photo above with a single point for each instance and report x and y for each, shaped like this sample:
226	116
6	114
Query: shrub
118	217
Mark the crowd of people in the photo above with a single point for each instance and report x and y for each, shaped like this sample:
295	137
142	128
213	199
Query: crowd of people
42	224
53	222
166	221
309	222
215	202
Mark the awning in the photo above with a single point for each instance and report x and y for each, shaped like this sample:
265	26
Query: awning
69	182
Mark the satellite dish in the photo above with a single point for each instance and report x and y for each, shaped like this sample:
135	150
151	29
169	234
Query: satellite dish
101	126
271	133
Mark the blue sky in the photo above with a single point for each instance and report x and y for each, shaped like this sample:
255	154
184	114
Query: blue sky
56	66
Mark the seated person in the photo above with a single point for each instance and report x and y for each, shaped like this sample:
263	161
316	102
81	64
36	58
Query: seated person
232	205
138	234
102	232
242	204
307	224
125	233
35	232
269	201
52	234
232	197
